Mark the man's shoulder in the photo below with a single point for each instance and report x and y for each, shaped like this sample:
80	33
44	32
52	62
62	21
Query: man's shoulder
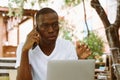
20	45
63	41
19	48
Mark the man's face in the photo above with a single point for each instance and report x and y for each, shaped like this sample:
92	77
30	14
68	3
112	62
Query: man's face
48	27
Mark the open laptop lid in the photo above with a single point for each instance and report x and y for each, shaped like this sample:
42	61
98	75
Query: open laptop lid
71	70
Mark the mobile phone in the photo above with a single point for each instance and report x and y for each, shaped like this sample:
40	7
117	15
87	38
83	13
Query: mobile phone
35	43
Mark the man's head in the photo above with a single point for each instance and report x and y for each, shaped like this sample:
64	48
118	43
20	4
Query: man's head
47	25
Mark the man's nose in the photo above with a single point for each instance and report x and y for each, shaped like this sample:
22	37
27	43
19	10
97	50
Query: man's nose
50	29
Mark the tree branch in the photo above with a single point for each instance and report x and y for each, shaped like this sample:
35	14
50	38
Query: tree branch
96	4
117	21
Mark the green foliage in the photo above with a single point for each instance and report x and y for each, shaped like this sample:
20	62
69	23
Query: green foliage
16	7
95	43
72	2
66	35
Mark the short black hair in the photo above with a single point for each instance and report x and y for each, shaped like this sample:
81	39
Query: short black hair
43	11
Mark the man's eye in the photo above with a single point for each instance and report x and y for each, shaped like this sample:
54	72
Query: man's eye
55	24
46	25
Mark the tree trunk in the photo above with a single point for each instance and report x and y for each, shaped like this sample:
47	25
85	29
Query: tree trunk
112	34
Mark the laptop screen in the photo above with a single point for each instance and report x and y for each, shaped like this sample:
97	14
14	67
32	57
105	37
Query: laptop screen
71	69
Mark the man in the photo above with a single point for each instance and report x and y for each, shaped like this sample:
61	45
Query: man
42	45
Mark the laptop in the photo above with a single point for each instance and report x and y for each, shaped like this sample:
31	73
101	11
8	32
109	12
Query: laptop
71	69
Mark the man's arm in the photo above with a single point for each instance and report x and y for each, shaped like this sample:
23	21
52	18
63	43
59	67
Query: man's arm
24	70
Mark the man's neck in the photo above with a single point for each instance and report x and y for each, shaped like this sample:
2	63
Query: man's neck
47	48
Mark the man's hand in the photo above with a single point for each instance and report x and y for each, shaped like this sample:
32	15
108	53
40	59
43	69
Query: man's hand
32	37
82	50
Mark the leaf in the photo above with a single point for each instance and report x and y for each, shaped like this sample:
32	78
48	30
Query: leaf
95	43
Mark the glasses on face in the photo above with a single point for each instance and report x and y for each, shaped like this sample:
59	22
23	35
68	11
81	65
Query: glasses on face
46	26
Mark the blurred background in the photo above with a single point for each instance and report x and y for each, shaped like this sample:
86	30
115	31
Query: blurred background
77	18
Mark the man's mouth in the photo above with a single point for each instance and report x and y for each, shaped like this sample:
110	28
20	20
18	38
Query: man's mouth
52	38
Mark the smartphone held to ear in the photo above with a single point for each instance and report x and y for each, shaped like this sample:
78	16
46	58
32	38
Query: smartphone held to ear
35	43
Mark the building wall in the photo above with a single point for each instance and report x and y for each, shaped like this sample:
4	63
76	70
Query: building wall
14	36
1	34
